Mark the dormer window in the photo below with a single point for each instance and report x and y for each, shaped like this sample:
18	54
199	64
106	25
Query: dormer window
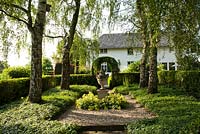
103	51
130	51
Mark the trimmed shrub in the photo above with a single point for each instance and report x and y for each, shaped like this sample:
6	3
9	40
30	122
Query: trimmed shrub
189	81
80	79
83	79
58	68
17	72
167	77
15	88
184	80
125	89
124	79
83	89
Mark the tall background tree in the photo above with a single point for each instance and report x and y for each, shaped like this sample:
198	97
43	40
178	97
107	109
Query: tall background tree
143	30
25	13
66	19
182	24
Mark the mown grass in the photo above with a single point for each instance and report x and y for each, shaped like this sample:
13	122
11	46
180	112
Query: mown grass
177	112
25	118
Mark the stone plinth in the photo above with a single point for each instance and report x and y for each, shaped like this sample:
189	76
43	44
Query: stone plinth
102	93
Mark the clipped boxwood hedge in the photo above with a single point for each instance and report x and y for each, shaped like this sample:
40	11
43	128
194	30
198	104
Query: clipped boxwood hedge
80	79
189	81
17	72
15	88
184	80
167	77
118	79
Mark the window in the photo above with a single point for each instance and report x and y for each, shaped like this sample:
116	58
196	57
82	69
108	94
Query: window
104	67
130	51
103	51
129	62
171	66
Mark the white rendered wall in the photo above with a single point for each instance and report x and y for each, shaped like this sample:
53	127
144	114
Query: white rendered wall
164	56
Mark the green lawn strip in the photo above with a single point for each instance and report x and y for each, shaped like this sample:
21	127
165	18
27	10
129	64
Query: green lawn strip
24	117
177	113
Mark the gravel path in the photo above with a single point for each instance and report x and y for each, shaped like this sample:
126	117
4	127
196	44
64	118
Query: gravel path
106	117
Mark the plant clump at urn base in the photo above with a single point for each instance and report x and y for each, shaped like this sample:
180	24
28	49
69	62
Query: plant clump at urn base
92	102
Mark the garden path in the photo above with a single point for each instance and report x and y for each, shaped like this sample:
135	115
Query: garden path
106	117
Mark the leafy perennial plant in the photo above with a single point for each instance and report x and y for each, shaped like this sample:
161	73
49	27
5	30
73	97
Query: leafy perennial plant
92	102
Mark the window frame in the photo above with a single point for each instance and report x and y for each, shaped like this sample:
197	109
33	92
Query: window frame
130	51
103	51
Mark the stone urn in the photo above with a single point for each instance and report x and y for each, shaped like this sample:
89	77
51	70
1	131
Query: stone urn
102	79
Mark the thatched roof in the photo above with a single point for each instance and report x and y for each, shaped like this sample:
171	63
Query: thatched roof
124	40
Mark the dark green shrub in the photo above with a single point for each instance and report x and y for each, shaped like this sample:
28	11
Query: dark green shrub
83	89
80	79
124	79
125	89
184	80
15	88
83	79
167	77
189	81
17	72
58	68
49	82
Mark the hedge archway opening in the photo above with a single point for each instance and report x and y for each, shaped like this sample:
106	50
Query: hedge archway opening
111	63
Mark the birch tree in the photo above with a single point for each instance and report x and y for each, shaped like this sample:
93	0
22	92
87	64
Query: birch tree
67	16
33	17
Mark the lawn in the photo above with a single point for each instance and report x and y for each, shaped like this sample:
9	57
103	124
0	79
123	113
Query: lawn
177	113
23	117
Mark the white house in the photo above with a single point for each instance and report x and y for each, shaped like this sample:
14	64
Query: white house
127	48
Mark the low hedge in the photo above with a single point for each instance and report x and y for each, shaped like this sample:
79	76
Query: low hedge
80	79
123	79
167	77
184	80
189	81
15	88
17	72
